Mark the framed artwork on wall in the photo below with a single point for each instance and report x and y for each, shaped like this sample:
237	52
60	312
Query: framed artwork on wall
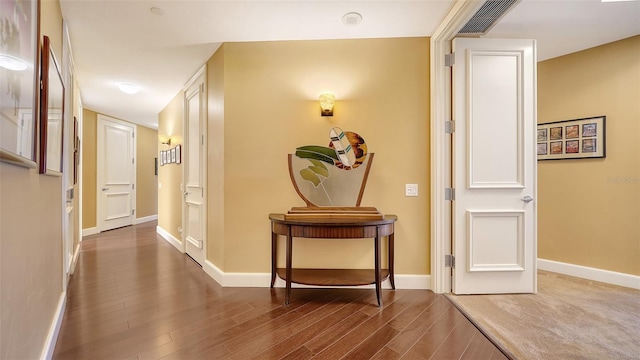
51	112
572	139
19	81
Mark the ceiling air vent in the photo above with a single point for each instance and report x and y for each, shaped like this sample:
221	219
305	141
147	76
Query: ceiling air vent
488	14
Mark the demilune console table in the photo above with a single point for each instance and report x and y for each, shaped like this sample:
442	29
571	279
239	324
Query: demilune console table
332	228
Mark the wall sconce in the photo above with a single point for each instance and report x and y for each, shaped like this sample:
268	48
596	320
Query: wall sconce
326	104
168	142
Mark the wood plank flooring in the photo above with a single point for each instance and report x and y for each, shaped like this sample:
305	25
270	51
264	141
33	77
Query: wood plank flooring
134	296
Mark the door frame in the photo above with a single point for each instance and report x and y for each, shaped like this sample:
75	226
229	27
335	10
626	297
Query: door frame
440	162
202	72
68	208
100	167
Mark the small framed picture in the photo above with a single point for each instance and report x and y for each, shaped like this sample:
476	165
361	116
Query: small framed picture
542	134
556	147
573	131
161	158
542	148
589	130
572	139
173	155
178	154
573	146
589	145
556	133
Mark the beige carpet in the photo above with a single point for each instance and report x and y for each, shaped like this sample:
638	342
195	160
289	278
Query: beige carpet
569	318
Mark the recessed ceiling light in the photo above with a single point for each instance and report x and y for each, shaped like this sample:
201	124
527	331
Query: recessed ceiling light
12	63
352	18
156	11
129	88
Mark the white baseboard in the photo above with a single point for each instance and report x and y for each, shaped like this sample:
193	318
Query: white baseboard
74	259
264	280
170	238
90	231
54	329
605	276
145	219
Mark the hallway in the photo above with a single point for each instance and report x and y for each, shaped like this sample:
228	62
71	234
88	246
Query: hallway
134	296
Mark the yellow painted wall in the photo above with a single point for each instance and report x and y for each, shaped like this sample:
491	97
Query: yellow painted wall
89	168
30	242
589	209
170	175
147	180
146	151
267	106
215	157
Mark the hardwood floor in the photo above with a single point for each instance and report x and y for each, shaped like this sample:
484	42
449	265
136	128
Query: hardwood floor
134	296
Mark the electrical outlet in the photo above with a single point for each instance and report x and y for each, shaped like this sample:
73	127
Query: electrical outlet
411	190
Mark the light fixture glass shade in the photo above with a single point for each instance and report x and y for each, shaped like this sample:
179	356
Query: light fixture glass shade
129	88
326	103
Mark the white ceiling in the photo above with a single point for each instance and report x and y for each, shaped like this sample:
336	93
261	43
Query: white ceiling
123	41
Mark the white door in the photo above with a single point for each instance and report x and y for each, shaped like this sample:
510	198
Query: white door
116	173
494	102
194	170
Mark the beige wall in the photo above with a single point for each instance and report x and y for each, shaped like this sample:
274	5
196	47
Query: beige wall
89	168
589	209
263	104
30	242
215	157
147	180
146	151
170	175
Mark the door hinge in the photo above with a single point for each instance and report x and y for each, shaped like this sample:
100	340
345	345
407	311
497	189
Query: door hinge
133	135
133	186
449	59
449	127
133	211
449	194
133	161
449	261
202	139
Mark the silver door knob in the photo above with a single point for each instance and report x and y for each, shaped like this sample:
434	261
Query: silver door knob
527	199
185	193
105	189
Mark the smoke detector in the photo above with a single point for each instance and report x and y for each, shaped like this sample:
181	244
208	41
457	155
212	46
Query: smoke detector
352	18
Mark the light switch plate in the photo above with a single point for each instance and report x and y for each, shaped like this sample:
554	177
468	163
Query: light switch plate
411	190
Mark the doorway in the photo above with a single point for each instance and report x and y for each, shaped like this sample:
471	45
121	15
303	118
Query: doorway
194	170
116	173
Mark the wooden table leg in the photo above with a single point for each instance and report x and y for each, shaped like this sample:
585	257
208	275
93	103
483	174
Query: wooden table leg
288	269
376	247
274	251
391	265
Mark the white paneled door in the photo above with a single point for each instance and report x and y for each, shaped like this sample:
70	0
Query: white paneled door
116	173
494	161
194	171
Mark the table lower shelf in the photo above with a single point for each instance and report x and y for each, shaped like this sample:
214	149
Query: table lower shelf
333	277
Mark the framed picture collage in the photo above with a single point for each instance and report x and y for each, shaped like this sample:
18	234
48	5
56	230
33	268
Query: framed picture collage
572	139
